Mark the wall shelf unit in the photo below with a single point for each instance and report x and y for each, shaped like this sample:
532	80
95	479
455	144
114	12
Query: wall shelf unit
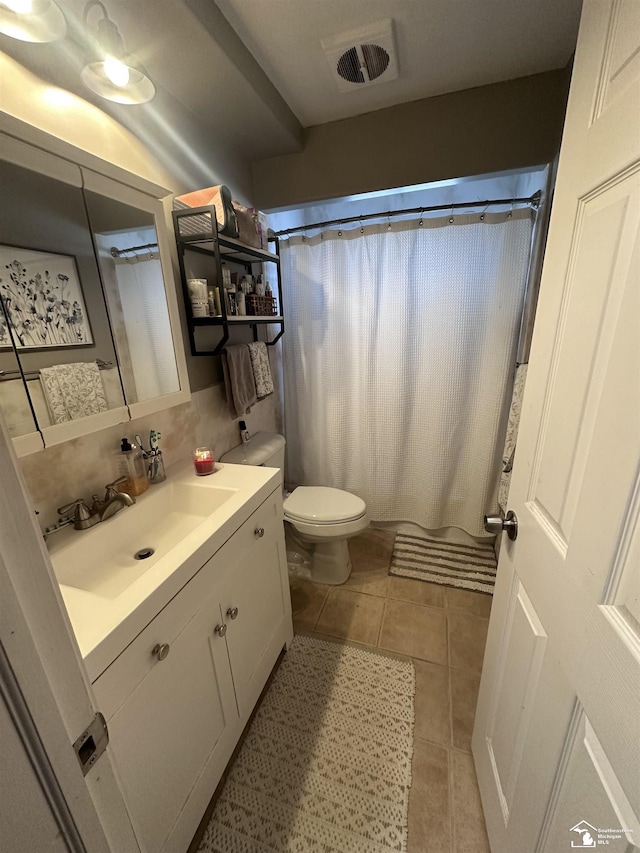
196	232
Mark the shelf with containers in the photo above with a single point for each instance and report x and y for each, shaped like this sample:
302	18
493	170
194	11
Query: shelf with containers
197	236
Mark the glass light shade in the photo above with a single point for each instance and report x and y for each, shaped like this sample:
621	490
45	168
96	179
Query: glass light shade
99	77
38	21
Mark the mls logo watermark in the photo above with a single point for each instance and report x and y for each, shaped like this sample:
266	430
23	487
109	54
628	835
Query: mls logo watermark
587	835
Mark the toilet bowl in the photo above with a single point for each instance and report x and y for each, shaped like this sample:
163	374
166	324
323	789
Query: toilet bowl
319	520
323	519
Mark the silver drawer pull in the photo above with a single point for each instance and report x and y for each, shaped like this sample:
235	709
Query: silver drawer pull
160	650
232	612
220	630
259	531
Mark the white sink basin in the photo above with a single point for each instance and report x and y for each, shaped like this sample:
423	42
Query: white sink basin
102	560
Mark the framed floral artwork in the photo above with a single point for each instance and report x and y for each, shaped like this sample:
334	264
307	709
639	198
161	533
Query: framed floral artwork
42	300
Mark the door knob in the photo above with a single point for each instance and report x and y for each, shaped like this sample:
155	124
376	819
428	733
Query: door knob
496	524
259	532
232	612
220	630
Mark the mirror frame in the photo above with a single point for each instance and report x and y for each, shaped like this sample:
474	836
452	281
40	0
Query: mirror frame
38	151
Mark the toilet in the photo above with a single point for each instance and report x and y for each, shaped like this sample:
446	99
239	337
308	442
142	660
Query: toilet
319	520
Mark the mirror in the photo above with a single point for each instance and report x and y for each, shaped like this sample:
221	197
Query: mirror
83	292
129	257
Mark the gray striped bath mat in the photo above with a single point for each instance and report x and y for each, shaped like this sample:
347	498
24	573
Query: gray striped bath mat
449	563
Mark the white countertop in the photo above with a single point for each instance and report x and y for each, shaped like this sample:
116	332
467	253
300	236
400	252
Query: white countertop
105	625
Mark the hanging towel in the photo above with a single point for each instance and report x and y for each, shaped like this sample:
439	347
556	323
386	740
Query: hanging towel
238	379
261	369
512	435
73	391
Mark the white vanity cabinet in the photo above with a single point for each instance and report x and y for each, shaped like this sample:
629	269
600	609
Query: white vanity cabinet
174	721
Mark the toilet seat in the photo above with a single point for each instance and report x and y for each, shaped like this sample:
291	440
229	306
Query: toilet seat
321	505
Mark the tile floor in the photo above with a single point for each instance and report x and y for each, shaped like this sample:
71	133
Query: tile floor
444	631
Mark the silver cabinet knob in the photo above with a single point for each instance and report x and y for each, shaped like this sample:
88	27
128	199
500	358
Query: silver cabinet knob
259	531
496	524
160	650
220	630
232	612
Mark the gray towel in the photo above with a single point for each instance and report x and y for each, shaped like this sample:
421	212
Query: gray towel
238	379
261	369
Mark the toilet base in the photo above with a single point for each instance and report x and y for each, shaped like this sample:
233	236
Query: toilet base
329	560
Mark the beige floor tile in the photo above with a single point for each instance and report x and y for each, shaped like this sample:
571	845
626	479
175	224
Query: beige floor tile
307	599
432	703
411	629
372	546
419	592
464	697
351	615
368	577
467	638
469	830
477	603
429	814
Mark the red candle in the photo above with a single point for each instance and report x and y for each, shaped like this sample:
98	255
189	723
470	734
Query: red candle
203	461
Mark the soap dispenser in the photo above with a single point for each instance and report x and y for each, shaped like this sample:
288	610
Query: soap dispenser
131	465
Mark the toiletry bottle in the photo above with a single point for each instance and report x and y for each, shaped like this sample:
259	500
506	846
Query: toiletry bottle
131	464
244	432
241	303
197	288
215	309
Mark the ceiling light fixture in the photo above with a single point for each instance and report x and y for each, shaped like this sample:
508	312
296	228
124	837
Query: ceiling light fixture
111	73
38	21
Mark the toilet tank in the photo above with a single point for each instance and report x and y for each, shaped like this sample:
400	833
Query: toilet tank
264	448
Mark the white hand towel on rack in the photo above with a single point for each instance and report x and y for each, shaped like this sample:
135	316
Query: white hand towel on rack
73	390
261	369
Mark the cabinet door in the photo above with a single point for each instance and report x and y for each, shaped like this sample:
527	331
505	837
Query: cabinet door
181	714
258	588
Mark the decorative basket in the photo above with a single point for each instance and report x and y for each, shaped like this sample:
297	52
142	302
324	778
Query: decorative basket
261	306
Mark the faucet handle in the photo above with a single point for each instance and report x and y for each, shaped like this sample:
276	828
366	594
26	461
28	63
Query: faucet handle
111	487
78	508
83	517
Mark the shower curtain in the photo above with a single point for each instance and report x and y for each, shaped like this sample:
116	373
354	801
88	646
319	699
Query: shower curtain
398	360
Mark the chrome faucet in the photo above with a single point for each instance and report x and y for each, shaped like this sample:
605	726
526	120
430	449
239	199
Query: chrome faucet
82	517
113	501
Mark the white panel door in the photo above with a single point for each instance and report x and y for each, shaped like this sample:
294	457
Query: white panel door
557	734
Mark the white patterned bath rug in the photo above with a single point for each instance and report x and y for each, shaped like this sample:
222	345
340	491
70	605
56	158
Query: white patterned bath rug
326	764
448	563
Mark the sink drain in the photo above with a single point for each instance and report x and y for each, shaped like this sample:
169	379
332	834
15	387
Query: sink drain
144	553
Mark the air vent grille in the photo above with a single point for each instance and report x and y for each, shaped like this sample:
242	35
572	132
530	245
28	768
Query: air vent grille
362	57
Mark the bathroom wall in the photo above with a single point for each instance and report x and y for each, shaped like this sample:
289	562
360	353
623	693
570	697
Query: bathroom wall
510	125
82	467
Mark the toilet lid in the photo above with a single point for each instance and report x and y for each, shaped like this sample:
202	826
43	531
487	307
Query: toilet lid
322	505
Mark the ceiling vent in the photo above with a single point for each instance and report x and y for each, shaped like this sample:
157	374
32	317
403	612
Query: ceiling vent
362	57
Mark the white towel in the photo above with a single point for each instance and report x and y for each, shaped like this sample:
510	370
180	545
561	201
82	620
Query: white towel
73	391
261	369
512	435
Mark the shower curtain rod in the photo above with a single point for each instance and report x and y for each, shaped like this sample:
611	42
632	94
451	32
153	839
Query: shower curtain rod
534	201
117	252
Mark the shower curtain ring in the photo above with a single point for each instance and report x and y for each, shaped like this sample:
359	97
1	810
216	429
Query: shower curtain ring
510	214
451	220
389	221
340	229
483	212
361	226
421	220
